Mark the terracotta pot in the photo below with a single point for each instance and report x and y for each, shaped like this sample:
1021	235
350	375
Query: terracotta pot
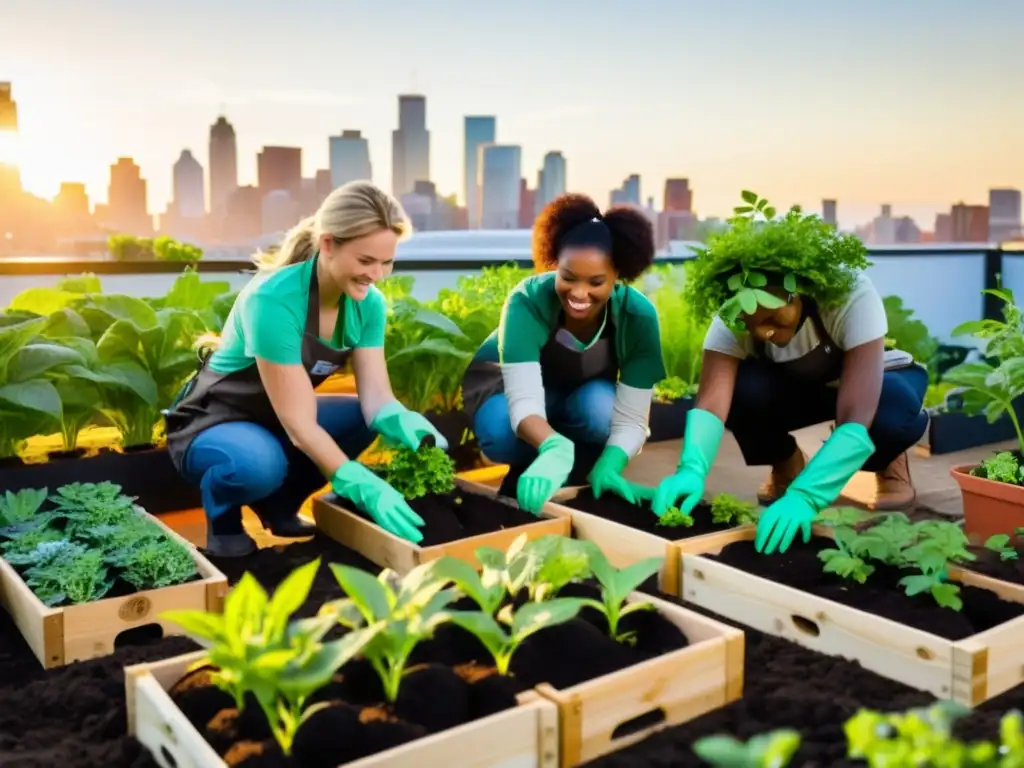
989	507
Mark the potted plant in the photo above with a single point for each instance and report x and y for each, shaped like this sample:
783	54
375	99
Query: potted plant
993	490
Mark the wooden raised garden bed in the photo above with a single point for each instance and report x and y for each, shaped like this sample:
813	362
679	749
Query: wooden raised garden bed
627	533
969	656
483	519
66	633
526	735
615	710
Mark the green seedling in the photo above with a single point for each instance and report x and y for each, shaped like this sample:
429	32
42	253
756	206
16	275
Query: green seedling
842	562
1002	544
769	750
551	562
428	471
617	584
674	518
727	509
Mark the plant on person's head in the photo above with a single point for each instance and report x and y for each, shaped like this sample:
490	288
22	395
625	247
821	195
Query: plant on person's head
796	252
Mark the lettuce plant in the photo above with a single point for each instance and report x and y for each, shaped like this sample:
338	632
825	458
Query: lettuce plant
617	584
727	509
774	749
407	610
254	647
674	517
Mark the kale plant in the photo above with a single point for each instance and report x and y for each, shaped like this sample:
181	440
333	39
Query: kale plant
428	471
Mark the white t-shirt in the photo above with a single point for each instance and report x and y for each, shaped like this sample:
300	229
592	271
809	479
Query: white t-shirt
858	320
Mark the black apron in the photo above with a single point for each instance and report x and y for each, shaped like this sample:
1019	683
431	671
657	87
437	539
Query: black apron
822	365
562	368
210	398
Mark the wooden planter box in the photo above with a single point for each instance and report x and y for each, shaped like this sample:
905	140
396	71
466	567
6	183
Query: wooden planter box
623	545
400	555
989	507
524	737
59	636
611	712
969	671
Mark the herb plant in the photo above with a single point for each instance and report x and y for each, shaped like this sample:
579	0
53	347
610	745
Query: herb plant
255	648
726	509
1003	467
428	471
407	610
617	584
675	517
1002	544
673	388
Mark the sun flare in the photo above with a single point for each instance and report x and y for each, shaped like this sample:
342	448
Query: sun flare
10	148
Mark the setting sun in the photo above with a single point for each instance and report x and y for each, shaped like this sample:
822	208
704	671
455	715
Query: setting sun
10	148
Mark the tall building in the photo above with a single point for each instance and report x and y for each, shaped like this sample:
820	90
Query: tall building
127	209
8	108
551	181
479	131
527	204
501	175
189	187
829	213
678	195
223	166
969	223
10	174
72	210
280	168
410	145
1004	214
350	158
628	193
943	228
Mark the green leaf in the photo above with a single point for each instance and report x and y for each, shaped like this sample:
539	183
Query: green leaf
364	590
207	626
789	282
748	196
533	617
289	597
328	659
735	282
748	301
244	608
43	301
632	576
743	209
37	396
768	300
769	212
757	280
34	360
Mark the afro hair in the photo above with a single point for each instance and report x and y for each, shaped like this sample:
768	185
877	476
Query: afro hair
631	233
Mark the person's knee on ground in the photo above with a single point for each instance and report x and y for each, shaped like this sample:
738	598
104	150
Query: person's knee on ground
899	423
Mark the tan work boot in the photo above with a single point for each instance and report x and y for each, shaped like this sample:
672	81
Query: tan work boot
895	488
781	476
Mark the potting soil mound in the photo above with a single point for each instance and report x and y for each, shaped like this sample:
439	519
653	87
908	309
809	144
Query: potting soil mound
640	516
990	563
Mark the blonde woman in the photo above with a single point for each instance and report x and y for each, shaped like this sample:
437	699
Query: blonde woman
249	429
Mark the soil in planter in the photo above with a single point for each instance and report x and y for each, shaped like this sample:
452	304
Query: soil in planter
459	515
450	681
640	516
800	568
990	564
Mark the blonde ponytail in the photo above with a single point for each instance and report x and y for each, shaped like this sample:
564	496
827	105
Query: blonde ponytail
353	210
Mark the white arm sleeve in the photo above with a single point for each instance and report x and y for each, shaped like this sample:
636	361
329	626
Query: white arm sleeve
629	418
524	391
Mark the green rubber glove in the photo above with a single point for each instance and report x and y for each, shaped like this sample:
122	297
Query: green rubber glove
607	476
398	424
546	474
817	486
700	447
380	501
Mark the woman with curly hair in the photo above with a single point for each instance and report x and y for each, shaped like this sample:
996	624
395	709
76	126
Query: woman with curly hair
575	356
797	338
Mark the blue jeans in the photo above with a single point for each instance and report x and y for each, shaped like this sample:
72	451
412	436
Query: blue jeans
584	415
242	463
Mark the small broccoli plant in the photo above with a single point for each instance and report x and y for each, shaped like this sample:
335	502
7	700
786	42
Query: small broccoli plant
428	471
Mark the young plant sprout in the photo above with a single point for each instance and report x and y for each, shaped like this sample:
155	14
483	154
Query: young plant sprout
774	749
726	509
616	585
407	609
255	648
427	471
842	562
1002	544
675	517
529	619
551	562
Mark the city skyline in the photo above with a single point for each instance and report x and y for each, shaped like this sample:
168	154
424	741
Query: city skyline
884	117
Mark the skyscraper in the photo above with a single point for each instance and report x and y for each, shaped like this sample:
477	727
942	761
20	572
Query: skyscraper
410	145
678	195
8	109
127	207
280	168
551	180
350	158
628	193
223	166
828	212
479	130
189	187
501	175
1004	214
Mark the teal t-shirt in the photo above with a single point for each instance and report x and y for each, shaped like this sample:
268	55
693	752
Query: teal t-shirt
531	315
268	320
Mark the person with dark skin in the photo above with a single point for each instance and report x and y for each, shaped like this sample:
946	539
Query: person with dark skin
797	338
575	357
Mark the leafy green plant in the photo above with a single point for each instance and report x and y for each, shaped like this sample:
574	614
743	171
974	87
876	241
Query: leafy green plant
21	506
528	620
1002	544
407	610
774	749
727	509
909	334
254	647
547	564
1003	467
428	471
617	584
674	517
682	334
672	389
842	561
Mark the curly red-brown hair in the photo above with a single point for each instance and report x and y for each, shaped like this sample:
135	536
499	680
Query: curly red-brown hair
632	234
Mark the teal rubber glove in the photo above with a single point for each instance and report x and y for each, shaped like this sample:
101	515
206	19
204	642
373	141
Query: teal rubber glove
607	476
546	474
380	501
700	447
397	424
817	486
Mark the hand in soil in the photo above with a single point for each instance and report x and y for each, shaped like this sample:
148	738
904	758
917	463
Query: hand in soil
780	522
607	476
546	474
687	484
379	500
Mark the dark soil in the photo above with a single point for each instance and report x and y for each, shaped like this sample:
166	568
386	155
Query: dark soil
640	516
800	568
74	716
459	515
990	564
451	681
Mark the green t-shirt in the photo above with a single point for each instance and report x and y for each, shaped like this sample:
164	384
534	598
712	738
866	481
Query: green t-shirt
268	320
531	315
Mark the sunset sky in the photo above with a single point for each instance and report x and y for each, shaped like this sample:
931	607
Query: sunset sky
919	103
